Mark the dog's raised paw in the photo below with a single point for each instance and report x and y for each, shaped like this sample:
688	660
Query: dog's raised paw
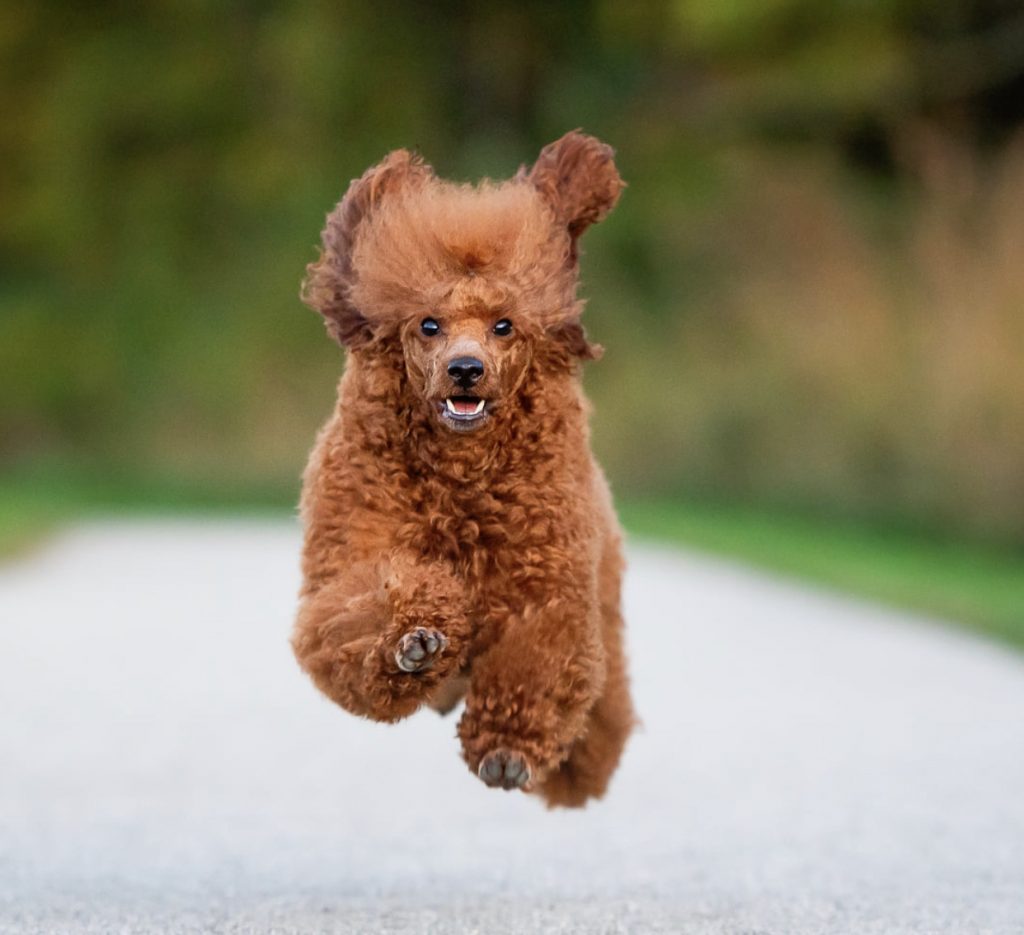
418	649
505	769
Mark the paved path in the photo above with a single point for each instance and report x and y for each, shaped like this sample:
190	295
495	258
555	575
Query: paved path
809	764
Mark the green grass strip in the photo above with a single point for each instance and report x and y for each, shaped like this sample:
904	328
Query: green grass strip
972	584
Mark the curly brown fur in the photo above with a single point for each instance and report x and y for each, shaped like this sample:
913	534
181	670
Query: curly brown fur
448	552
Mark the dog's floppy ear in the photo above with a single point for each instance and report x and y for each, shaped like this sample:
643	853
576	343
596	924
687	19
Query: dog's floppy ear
578	178
329	280
571	344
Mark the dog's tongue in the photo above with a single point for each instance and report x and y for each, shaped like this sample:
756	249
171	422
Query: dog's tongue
464	407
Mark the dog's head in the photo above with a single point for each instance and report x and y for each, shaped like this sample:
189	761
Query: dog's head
474	283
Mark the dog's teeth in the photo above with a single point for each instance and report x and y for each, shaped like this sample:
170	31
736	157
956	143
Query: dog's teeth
477	409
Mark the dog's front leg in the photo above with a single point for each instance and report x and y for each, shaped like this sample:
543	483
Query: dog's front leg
530	692
381	637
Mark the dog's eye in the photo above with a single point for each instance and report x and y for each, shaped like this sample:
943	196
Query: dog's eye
503	328
430	327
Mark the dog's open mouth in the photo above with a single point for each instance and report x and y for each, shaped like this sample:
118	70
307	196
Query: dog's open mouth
463	412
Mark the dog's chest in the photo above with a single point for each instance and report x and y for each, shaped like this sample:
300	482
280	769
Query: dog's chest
485	531
504	541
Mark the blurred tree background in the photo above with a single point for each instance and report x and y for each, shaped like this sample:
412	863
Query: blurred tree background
812	294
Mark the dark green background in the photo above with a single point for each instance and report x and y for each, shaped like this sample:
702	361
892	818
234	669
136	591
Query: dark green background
812	293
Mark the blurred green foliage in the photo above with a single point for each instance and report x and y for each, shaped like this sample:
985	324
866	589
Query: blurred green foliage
811	293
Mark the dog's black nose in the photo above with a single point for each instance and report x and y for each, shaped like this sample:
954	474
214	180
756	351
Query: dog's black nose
466	371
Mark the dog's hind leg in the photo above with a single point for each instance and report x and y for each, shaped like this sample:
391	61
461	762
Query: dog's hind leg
585	772
449	694
592	759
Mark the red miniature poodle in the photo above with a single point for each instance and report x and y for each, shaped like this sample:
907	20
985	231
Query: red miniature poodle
460	539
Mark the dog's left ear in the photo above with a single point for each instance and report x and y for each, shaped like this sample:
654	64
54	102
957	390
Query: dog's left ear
571	344
578	178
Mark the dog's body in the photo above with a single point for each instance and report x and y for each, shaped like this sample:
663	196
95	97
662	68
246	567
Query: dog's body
460	538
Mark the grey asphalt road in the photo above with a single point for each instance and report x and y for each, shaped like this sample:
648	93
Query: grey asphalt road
809	764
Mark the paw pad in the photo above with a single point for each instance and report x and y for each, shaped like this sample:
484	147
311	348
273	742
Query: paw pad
418	649
505	769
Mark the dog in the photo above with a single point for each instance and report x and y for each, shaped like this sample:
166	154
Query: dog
460	538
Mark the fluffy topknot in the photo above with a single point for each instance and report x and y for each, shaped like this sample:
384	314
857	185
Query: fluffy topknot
401	240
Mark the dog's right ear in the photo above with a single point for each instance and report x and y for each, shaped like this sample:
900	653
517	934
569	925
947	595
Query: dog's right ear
328	283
